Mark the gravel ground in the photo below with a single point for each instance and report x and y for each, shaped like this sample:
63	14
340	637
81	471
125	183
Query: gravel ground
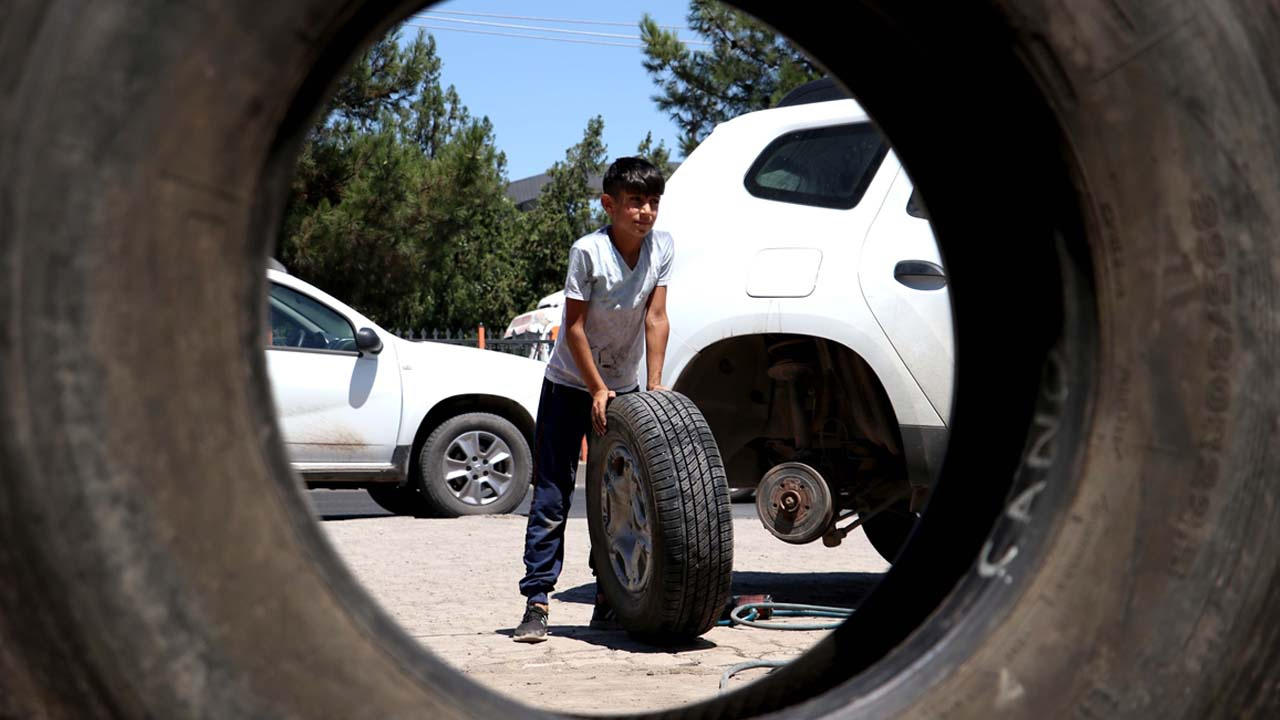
452	585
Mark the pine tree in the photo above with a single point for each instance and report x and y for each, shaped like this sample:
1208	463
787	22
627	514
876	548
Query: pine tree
567	209
748	67
658	155
398	204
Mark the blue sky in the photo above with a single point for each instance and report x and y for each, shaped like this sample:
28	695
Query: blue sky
539	94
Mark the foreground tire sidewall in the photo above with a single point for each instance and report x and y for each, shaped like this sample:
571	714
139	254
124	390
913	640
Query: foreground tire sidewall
1147	588
430	461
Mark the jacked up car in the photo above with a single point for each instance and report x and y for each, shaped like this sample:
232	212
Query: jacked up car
811	356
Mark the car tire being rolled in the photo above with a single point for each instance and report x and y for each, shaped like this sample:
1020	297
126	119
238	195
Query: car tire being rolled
1101	176
660	518
474	464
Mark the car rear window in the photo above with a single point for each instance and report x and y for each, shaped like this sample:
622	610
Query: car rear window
827	167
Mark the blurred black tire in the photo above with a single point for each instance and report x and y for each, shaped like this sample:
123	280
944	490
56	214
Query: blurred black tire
1103	180
889	530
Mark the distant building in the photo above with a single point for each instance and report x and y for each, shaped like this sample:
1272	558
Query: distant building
525	192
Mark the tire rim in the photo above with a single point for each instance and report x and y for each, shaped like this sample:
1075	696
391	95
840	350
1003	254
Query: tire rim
624	513
478	467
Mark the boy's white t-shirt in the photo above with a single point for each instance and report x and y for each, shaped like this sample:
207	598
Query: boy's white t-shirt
615	295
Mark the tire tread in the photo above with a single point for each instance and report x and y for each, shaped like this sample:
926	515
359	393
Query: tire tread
693	514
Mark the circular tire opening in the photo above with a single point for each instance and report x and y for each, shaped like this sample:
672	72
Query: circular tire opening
1100	541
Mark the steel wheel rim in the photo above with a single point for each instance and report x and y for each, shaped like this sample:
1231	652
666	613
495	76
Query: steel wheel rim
478	467
624	513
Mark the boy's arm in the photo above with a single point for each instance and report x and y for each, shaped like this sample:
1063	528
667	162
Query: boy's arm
575	330
656	330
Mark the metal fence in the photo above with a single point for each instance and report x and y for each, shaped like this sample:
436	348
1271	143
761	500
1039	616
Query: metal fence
530	347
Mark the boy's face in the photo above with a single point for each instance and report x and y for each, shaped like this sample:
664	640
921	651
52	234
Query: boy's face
632	213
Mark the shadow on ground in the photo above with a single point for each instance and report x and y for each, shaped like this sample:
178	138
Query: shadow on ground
617	639
840	589
837	589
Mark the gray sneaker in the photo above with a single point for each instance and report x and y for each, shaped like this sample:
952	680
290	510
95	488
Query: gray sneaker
533	627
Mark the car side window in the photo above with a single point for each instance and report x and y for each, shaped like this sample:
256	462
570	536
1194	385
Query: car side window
825	167
299	321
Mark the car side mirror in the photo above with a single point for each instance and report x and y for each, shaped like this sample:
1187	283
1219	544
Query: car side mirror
368	341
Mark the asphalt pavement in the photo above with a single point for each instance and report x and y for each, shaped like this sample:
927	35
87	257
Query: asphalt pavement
349	504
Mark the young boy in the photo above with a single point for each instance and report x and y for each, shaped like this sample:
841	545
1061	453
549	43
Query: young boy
615	306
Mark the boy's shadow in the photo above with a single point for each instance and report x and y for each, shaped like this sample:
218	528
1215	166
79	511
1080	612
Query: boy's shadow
614	639
617	639
838	589
835	589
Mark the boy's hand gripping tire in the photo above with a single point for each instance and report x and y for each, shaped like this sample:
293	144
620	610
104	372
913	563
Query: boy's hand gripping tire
1101	542
660	517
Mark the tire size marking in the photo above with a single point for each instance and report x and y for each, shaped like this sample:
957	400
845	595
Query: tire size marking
1001	549
1123	397
1115	257
1216	289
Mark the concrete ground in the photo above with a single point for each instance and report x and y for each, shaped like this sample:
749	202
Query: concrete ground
452	585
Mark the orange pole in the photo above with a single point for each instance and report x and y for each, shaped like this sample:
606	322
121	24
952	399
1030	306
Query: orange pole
481	342
583	456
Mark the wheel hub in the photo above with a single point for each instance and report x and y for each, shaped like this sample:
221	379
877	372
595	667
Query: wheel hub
624	513
794	503
478	467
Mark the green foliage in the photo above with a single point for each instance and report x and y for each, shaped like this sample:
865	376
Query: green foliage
659	155
399	208
567	209
748	67
398	205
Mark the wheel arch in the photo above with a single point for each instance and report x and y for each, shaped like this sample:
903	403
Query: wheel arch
865	340
698	377
700	361
455	405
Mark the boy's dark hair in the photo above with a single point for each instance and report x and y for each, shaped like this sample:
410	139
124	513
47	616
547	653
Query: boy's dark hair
633	174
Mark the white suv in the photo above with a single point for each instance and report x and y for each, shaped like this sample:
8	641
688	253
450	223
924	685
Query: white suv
810	319
427	428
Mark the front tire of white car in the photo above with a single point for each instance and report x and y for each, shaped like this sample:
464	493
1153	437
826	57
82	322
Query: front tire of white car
474	464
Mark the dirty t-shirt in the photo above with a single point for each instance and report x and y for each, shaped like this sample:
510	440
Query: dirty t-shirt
615	295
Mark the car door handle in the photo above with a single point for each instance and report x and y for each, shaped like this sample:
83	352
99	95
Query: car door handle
920	275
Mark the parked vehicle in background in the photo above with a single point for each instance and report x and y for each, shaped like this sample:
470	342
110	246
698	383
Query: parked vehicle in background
540	324
810	319
426	428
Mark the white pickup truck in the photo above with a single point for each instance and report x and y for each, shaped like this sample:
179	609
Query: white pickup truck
427	428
